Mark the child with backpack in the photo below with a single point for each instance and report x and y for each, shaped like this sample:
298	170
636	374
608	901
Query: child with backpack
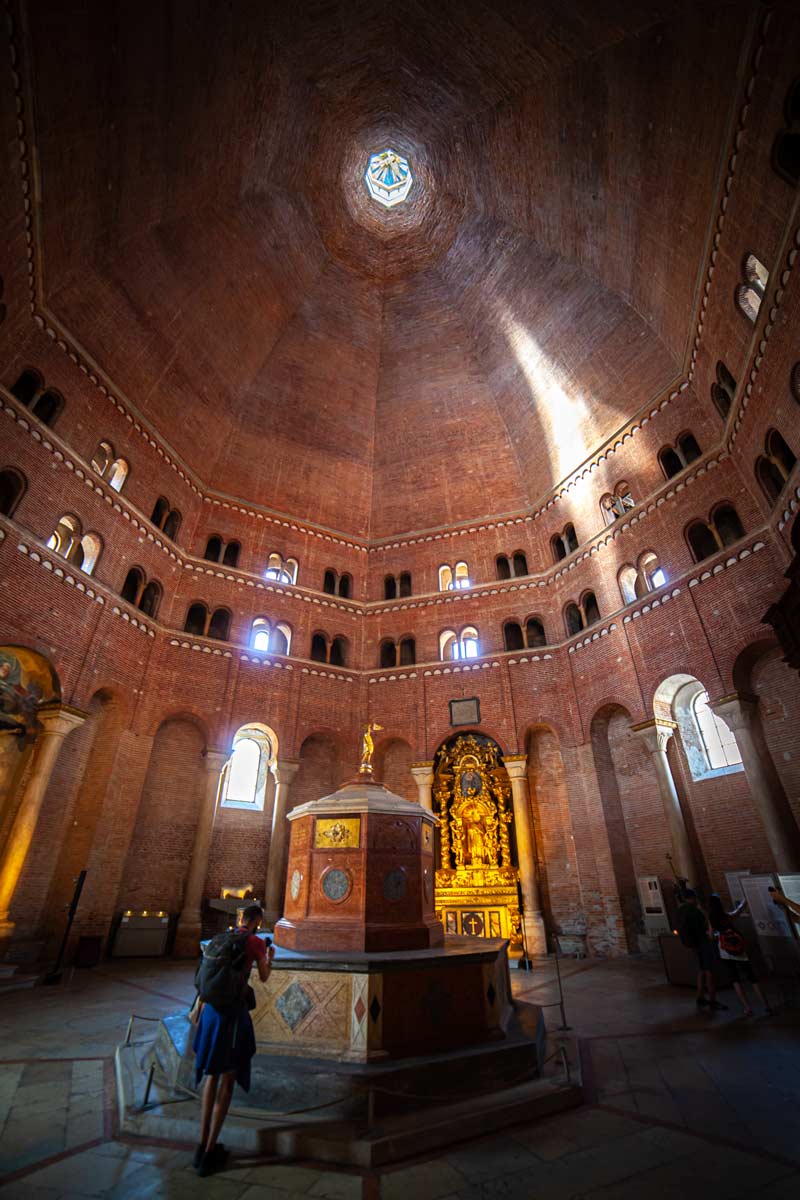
733	952
225	1043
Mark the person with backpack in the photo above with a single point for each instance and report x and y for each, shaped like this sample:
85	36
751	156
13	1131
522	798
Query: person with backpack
225	1043
693	932
733	952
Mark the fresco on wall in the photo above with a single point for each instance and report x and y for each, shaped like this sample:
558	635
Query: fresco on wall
27	680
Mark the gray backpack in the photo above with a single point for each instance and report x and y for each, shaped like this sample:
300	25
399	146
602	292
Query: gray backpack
220	977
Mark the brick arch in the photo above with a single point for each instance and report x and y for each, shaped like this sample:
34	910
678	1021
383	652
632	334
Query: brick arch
557	863
393	759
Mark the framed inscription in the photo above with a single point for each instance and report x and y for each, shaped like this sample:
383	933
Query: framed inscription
465	712
337	833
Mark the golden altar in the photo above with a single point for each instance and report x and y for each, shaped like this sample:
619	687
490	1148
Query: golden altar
476	885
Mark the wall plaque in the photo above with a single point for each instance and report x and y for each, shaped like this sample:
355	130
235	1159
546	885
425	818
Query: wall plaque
337	833
465	712
336	884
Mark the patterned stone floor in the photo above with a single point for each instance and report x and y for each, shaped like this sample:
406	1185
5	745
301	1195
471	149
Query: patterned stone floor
679	1102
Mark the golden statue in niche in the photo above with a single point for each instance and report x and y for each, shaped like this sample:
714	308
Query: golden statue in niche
476	885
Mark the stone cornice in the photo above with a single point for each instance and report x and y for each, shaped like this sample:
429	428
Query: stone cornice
49	323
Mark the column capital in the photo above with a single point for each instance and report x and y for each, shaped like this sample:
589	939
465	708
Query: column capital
655	733
60	719
285	770
516	765
215	759
422	769
737	710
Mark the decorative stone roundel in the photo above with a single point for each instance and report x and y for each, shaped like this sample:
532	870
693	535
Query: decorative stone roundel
336	884
388	178
395	884
294	885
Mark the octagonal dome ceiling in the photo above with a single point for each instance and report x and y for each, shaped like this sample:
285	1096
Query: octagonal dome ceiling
209	241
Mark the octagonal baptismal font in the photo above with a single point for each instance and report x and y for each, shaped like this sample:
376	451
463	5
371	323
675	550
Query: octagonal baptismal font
376	1035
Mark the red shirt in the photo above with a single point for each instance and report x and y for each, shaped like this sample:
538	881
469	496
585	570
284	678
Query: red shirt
255	948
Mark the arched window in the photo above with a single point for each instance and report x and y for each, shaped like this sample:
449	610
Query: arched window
281	639
329	582
457	646
213	548
387	654
259	634
408	652
66	538
670	462
770	477
26	386
570	538
780	452
196	619
101	459
91	545
512	636
503	567
242	780
231	556
448	643
390	586
345	584
573	619
534	632
520	563
405	583
13	485
172	524
591	612
627	583
702	542
48	406
118	474
750	293
133	586
445	578
718	742
338	656
151	598
461	576
319	648
283	572
688	447
723	391
220	624
160	510
558	547
469	643
653	575
726	520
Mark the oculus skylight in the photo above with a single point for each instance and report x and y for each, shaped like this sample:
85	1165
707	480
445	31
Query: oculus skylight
388	178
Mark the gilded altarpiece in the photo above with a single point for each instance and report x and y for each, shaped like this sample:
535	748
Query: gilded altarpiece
476	885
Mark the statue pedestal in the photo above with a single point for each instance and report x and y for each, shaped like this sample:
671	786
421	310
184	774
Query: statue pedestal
360	876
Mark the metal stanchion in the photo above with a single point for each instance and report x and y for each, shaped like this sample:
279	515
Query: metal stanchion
54	976
524	963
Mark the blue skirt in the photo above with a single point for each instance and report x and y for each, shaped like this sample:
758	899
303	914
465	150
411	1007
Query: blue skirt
224	1041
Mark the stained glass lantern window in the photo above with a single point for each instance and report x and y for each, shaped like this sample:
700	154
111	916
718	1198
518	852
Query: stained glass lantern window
388	178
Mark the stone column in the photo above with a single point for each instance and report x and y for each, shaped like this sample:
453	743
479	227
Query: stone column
187	937
58	720
285	772
423	777
656	734
740	714
535	936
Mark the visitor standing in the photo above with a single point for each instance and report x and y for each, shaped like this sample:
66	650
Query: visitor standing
225	1043
694	933
733	952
